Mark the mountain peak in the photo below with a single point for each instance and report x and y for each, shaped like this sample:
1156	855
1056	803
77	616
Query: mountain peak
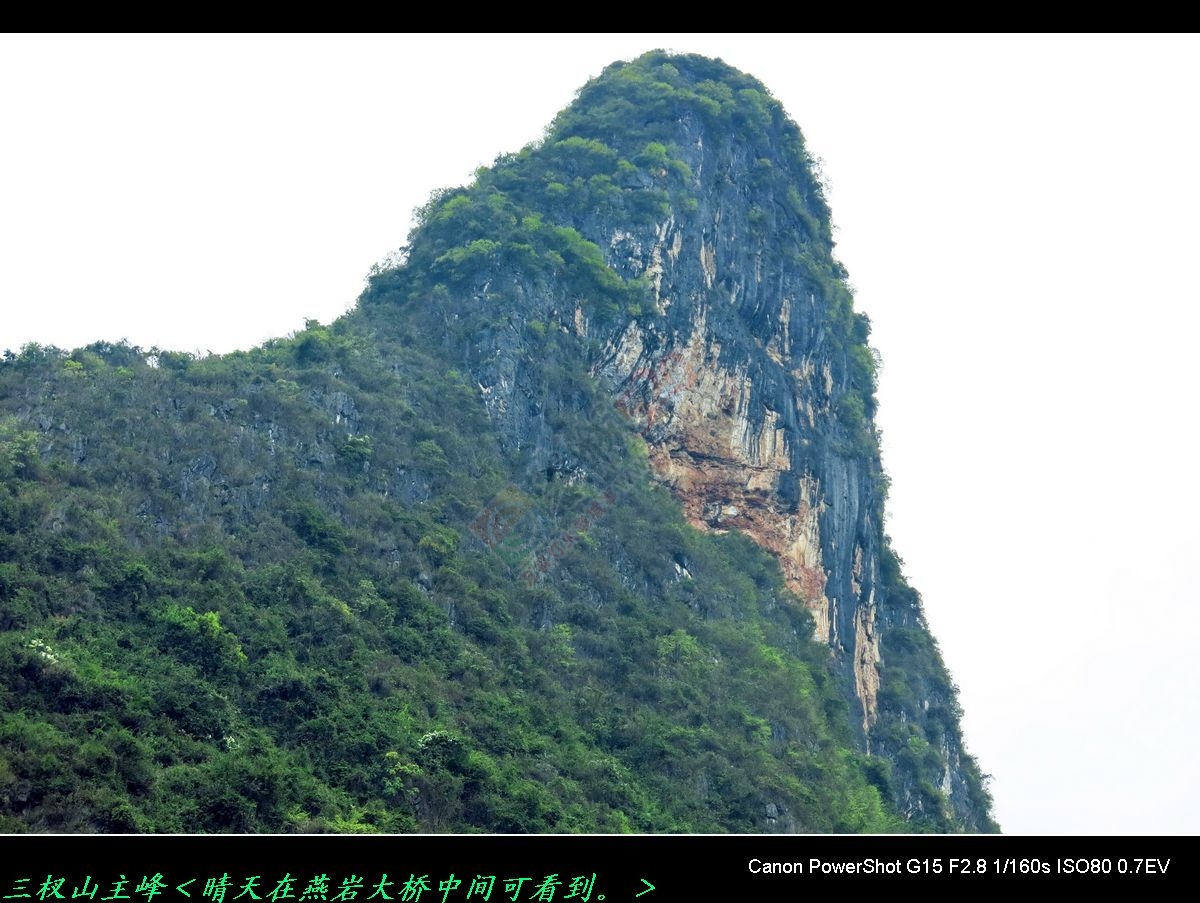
574	524
671	223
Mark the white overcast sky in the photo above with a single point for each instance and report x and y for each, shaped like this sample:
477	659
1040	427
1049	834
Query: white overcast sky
1019	216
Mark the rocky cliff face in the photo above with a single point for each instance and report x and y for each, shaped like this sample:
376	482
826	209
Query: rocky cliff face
738	388
731	344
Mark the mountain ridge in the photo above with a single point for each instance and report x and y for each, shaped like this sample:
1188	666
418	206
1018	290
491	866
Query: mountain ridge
645	334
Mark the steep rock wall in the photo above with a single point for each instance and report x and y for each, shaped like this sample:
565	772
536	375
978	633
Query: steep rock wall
743	367
735	395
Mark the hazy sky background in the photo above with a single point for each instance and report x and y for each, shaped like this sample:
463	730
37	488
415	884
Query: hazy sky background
1019	216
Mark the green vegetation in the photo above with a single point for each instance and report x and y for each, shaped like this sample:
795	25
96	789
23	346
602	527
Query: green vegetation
216	620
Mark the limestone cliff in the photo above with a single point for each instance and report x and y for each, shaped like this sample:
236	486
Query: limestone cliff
757	400
731	344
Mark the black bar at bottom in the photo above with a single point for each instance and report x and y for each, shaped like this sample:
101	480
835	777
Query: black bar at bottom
566	869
